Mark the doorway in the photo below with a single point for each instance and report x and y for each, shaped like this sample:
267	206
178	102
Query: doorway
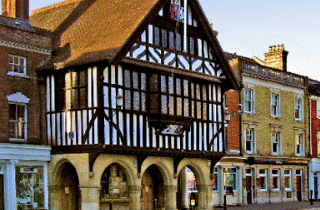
249	185
299	184
152	191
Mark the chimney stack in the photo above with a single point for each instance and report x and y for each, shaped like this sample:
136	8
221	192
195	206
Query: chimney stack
16	9
277	57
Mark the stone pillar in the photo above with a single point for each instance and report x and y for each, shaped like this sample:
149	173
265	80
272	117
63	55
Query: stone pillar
134	197
204	191
90	198
171	197
54	196
184	189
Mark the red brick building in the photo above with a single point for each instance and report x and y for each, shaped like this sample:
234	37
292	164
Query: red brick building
23	156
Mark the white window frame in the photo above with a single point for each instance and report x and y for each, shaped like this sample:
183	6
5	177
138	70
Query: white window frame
277	137
21	63
318	143
318	109
248	100
275	105
227	173
20	100
299	141
216	173
298	107
251	138
276	175
288	175
265	175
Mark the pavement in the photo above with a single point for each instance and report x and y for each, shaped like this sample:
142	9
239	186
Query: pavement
302	205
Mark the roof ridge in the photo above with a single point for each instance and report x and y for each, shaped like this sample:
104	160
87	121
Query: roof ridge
53	6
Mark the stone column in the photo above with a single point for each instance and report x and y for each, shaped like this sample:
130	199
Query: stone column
90	197
184	189
134	197
171	197
204	191
54	196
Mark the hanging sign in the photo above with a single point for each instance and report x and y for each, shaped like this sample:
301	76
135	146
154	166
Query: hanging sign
176	11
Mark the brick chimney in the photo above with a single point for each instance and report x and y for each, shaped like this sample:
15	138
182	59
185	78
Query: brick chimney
277	57
16	8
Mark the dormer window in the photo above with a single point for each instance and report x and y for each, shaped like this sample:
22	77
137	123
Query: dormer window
18	65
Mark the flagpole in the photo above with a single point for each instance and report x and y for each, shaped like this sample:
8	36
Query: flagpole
185	26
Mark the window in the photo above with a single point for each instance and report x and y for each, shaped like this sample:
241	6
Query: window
318	146
263	179
318	109
229	179
275	105
276	179
71	90
299	144
17	121
215	180
249	137
298	109
287	180
30	187
275	143
18	65
248	100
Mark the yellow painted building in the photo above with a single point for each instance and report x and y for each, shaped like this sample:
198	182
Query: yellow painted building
274	125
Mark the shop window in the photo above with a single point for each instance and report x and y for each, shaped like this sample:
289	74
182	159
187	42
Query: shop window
30	187
114	183
229	178
215	180
276	179
288	180
263	179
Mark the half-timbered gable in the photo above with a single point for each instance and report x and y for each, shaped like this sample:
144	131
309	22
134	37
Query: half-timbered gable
144	78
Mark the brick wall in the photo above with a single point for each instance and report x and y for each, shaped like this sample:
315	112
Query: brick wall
28	86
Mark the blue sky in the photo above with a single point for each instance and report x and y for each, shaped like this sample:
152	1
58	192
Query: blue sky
249	27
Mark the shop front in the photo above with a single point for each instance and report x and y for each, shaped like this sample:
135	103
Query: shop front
23	176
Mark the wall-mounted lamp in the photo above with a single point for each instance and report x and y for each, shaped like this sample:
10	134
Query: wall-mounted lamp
226	116
119	101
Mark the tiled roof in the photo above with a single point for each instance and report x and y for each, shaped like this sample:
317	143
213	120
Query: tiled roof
17	23
90	30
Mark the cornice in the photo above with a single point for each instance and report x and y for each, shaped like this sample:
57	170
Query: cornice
22	46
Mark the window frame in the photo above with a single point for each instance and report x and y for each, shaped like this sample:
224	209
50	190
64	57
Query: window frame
277	136
287	175
12	64
265	175
252	140
226	173
299	139
275	105
248	102
318	143
16	121
298	108
277	176
318	109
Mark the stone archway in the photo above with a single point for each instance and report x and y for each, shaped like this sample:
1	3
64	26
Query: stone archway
187	189
66	191
152	189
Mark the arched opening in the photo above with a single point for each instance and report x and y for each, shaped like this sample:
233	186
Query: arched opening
187	189
69	195
114	188
152	189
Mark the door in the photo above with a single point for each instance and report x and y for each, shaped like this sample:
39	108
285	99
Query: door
299	184
249	185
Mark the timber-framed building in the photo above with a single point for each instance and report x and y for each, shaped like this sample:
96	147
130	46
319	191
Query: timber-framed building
134	96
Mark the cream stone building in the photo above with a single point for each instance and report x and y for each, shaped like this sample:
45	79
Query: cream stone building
274	131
